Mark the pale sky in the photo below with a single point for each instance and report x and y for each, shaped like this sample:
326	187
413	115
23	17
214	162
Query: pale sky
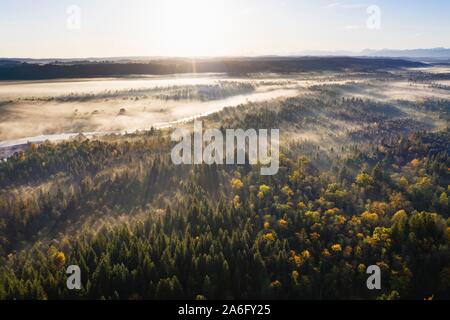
107	28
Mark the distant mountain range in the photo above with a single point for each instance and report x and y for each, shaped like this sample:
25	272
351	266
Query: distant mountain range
437	53
433	53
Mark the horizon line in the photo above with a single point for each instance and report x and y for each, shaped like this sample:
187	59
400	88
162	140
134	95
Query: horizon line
303	53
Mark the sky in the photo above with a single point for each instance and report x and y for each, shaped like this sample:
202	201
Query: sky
123	28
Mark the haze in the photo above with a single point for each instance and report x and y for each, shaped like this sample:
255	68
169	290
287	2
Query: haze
51	29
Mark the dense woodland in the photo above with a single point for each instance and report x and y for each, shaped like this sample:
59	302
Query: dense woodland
24	70
140	227
223	89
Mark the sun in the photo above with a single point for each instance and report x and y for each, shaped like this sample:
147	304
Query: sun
192	28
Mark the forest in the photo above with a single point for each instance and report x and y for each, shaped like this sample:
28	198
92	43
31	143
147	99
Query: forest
26	70
373	191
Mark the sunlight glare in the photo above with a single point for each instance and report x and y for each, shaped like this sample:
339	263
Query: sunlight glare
192	28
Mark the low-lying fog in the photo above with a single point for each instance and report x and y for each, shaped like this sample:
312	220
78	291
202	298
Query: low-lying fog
37	110
395	90
40	110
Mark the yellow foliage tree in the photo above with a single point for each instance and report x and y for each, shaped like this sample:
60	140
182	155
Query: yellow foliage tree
364	180
399	215
275	284
264	189
315	236
340	220
295	275
60	259
379	207
287	191
237	202
348	251
336	247
269	237
306	254
301	205
332	212
443	200
362	268
237	184
403	182
415	163
369	217
282	223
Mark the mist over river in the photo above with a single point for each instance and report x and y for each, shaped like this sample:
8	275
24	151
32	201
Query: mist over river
36	111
